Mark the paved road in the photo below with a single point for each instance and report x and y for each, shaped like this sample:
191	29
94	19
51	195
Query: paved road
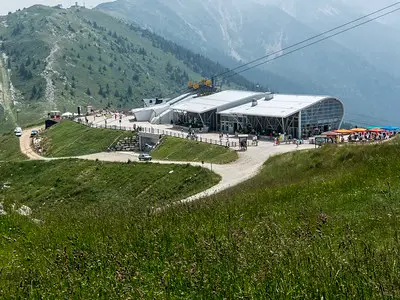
247	166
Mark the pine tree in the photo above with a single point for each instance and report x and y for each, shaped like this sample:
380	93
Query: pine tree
88	91
34	92
22	70
101	91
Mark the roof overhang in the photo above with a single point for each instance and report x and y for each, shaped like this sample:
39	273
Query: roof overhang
265	111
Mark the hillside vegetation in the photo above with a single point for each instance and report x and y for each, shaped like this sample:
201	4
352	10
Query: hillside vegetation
176	149
87	185
68	139
313	224
61	58
9	148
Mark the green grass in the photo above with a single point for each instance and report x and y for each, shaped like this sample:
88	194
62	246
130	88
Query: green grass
72	139
313	224
9	148
176	149
83	184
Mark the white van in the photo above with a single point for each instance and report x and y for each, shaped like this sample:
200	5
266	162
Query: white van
18	131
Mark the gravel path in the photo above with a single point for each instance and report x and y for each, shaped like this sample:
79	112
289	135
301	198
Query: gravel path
25	144
5	93
247	166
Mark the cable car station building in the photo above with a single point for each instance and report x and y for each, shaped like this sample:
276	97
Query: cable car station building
263	113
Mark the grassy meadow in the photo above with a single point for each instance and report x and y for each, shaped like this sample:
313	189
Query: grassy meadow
176	149
9	148
72	139
313	224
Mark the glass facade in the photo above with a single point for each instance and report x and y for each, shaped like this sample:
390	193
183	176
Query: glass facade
323	116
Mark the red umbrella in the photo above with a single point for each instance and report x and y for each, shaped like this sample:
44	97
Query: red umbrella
376	130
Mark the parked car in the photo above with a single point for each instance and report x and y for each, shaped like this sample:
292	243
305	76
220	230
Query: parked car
18	131
148	147
145	157
34	132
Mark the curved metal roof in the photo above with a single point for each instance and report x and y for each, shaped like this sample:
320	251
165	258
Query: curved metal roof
217	101
280	106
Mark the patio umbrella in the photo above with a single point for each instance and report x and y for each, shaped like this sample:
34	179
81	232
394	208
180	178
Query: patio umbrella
390	128
372	127
330	133
376	130
343	131
358	129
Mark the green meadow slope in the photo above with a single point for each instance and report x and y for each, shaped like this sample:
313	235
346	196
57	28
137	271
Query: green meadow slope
72	139
313	224
61	58
187	150
9	148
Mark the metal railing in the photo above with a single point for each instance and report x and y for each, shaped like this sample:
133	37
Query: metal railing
164	132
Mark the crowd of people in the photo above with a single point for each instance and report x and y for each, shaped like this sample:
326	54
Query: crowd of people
369	136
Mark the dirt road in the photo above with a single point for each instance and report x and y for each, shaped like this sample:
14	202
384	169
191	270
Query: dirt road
247	166
25	144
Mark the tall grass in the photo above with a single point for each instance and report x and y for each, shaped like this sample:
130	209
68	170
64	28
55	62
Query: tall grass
313	224
177	149
72	139
9	148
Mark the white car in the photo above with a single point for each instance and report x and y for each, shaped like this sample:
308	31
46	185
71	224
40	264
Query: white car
18	131
145	157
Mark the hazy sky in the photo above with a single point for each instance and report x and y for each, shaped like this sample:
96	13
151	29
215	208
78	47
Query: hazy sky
13	5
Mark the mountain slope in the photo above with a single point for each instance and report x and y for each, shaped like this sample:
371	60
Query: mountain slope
245	30
57	59
376	42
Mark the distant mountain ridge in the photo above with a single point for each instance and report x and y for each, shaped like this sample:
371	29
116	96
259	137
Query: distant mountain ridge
354	67
60	58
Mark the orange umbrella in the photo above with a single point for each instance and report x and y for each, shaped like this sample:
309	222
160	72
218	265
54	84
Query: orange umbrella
358	129
376	130
330	133
343	131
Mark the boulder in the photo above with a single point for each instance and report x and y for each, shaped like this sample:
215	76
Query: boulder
24	210
2	211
